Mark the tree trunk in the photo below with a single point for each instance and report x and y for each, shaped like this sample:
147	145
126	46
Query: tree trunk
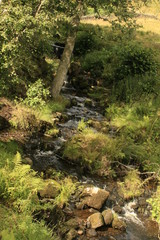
64	65
62	71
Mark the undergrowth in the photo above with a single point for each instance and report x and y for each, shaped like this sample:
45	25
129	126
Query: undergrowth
20	187
93	151
138	123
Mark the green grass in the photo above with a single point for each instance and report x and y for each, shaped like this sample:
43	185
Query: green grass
46	113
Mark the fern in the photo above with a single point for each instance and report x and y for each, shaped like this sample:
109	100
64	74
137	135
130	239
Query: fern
20	186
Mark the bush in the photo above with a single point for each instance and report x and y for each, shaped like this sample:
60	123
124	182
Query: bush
19	185
133	59
88	38
37	95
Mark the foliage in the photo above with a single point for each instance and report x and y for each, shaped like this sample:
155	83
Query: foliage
155	204
88	39
21	226
93	151
66	188
132	185
36	95
19	185
82	125
95	62
46	113
124	68
137	126
134	87
52	132
25	34
134	59
8	151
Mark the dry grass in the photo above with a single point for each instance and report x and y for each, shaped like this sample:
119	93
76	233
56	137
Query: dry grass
149	18
149	25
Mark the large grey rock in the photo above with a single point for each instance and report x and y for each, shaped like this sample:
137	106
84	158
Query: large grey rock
108	216
96	220
94	197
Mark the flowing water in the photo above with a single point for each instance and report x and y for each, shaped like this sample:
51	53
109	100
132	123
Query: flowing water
42	159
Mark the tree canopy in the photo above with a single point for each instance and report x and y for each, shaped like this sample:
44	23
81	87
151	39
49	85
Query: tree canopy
27	29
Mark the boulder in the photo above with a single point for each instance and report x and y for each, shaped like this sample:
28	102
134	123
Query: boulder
108	216
94	197
118	224
49	191
96	220
91	233
27	160
117	209
151	228
72	234
72	223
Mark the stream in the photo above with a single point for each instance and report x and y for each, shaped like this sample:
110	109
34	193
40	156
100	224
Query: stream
48	156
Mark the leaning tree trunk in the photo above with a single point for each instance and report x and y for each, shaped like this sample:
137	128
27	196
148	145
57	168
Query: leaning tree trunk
64	65
62	71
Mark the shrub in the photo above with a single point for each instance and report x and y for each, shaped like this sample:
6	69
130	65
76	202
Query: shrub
37	95
133	59
66	188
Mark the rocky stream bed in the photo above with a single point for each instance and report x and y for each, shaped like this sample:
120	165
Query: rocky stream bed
98	211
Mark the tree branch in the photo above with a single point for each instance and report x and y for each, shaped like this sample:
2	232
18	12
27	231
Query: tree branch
39	7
